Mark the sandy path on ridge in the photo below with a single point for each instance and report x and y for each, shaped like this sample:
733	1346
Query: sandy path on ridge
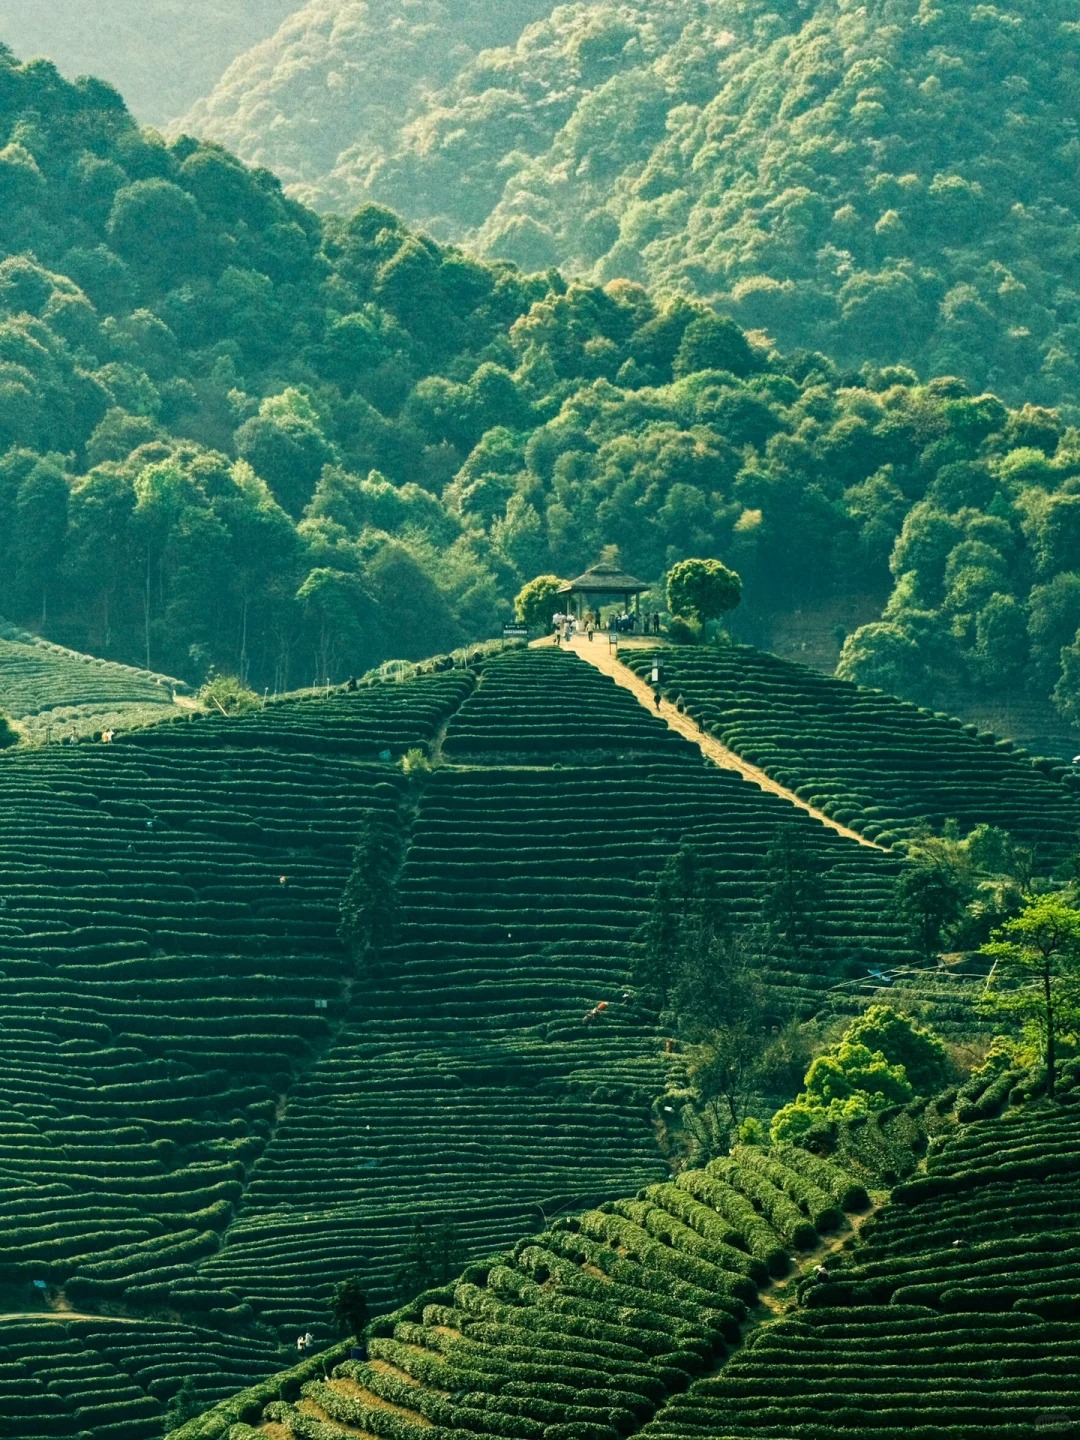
598	653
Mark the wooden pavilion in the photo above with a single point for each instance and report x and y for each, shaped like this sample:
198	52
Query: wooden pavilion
601	584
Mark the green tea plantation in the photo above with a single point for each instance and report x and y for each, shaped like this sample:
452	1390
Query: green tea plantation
771	1294
53	693
883	766
218	1100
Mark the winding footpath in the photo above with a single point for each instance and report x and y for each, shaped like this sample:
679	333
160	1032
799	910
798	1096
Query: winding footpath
598	653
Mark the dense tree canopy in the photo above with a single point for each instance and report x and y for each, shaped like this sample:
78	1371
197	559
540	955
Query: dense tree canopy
236	434
890	182
319	99
702	589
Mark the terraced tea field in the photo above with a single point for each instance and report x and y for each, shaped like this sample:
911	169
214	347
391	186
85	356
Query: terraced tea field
875	763
169	908
583	1329
54	693
953	1312
463	1086
211	1111
112	1379
958	1315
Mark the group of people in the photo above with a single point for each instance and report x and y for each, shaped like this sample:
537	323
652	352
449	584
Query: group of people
632	623
628	623
567	626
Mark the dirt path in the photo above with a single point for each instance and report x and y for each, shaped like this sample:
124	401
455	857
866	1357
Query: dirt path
598	653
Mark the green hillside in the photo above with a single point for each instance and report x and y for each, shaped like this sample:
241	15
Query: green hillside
888	182
485	984
218	1100
160	55
169	908
341	76
622	1320
956	1315
55	693
868	760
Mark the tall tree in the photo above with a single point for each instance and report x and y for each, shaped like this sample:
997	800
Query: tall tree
349	1306
1036	974
792	900
432	1257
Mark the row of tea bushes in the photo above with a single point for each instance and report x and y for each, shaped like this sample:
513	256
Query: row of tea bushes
384	719
537	707
55	693
36	677
582	1331
73	1379
956	1317
466	1086
877	764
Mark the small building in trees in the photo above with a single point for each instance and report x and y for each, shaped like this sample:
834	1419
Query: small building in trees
603	584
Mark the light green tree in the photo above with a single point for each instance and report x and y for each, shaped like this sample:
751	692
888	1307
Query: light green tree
1036	974
703	590
535	602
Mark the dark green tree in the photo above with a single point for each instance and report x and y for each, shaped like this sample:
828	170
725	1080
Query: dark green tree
41	521
433	1256
349	1306
368	907
930	894
793	887
702	589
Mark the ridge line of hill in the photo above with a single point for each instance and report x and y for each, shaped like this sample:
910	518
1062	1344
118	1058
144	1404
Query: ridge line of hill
600	656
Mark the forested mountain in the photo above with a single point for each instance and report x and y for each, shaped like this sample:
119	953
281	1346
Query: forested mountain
162	54
238	434
893	181
338	81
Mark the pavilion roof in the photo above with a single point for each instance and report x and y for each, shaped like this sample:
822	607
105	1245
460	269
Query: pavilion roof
605	580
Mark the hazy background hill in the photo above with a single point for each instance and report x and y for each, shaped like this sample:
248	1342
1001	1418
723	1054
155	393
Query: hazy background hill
339	80
161	54
893	181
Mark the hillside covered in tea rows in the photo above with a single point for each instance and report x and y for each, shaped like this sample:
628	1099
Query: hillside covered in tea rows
53	693
950	1311
884	766
280	1010
237	434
